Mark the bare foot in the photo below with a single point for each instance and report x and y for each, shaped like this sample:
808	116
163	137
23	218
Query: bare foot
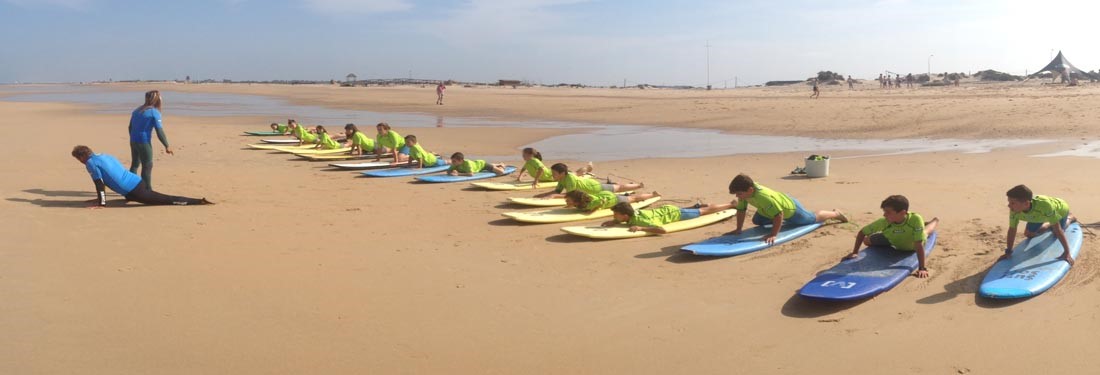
840	216
656	194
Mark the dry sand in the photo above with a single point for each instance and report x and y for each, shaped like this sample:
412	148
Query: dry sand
302	270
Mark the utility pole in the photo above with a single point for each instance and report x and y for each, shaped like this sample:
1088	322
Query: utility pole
708	65
930	68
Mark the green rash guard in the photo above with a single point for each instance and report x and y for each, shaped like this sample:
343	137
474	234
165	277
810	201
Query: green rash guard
391	140
571	182
601	200
328	143
533	167
362	141
902	236
768	203
304	135
1043	209
656	217
281	128
469	166
426	159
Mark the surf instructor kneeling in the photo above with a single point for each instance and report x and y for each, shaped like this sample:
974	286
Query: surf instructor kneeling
107	172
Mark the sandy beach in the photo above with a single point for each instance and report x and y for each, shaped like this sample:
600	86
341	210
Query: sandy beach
300	269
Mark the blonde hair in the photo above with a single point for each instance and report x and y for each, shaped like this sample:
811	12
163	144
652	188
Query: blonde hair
152	100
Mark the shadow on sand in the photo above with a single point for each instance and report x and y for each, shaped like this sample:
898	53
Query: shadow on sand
801	307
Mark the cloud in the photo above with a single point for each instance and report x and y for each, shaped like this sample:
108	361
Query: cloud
70	4
357	6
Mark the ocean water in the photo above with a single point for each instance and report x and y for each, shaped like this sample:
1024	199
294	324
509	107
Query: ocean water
587	142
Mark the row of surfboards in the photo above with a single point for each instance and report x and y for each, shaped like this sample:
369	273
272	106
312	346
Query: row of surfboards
1032	269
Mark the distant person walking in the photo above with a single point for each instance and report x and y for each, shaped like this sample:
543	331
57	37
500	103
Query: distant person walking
850	87
143	121
909	81
440	89
817	91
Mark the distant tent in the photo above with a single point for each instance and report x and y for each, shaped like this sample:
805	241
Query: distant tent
1060	66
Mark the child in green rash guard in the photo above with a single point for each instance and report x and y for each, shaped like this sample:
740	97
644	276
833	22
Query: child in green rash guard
773	207
602	200
538	171
1042	213
300	132
325	142
568	182
462	167
358	141
651	220
898	228
279	128
418	158
389	142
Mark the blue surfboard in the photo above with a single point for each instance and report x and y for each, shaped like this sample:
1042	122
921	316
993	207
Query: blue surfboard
1033	267
748	241
875	270
477	176
440	166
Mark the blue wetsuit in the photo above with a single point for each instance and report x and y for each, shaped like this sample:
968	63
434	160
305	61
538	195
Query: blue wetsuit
106	170
143	121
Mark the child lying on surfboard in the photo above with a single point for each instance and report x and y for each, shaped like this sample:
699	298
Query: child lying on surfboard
325	142
533	166
418	158
279	128
773	207
602	200
1041	213
651	220
898	228
567	182
359	142
300	132
462	167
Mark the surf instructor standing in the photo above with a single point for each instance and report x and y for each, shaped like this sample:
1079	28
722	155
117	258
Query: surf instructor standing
143	121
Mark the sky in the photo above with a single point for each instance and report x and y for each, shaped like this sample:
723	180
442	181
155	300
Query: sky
592	42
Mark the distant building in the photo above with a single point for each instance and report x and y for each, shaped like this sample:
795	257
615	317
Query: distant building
351	78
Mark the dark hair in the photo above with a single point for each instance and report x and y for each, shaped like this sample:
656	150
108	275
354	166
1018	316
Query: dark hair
623	208
274	124
741	183
897	203
82	152
291	121
351	127
1020	193
582	198
560	168
535	153
458	156
321	129
383	125
410	137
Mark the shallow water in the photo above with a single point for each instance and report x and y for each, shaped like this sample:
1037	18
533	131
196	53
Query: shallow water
589	142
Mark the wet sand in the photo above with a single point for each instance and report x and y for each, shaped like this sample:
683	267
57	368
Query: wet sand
299	269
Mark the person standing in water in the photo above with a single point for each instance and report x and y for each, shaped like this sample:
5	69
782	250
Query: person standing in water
143	121
440	89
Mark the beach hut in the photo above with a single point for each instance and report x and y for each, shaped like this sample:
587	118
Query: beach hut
351	78
1061	67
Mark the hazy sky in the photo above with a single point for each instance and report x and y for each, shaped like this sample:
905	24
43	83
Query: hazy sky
549	41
